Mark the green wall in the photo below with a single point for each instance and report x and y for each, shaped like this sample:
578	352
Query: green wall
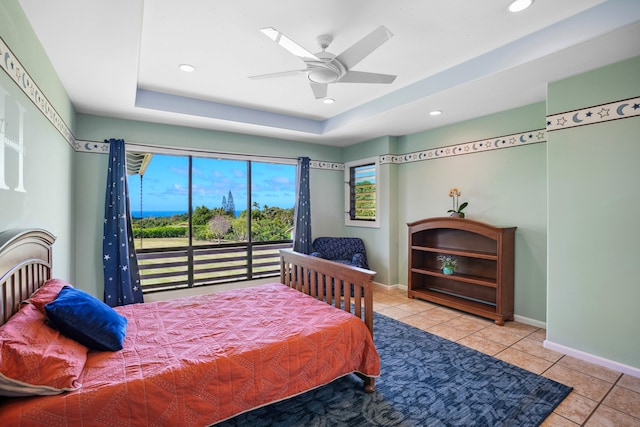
17	33
505	187
47	201
593	177
381	243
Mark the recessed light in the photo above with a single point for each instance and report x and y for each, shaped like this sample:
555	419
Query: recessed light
519	5
435	113
187	68
328	100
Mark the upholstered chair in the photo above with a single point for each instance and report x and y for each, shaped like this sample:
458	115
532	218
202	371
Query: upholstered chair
345	250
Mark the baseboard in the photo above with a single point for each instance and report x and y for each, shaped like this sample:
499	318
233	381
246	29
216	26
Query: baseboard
578	354
521	319
530	322
389	287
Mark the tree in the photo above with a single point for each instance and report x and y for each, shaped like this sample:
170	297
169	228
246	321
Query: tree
270	223
239	228
225	207
201	215
218	226
231	207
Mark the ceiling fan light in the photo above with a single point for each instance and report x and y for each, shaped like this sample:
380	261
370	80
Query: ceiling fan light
435	113
322	75
187	68
328	100
519	5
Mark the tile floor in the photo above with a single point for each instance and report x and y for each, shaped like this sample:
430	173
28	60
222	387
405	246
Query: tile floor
601	397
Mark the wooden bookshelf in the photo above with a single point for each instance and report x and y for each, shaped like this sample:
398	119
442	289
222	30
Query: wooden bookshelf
483	281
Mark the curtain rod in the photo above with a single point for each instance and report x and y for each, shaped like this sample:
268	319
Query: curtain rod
163	149
136	147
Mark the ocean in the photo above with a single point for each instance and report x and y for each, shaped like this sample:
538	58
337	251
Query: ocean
147	214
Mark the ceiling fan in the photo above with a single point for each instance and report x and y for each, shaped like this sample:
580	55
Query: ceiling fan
324	67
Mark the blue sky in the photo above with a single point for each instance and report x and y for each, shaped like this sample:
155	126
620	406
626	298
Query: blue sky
166	181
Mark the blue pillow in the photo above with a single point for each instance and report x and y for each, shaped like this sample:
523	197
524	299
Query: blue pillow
86	319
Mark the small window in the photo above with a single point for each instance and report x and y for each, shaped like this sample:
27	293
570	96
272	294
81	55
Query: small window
361	193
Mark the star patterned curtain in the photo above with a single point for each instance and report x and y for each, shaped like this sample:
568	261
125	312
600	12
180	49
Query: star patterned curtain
121	274
302	225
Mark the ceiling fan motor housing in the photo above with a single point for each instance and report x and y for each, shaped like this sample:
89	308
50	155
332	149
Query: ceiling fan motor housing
328	70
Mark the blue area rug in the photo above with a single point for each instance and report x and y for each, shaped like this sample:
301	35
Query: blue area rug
426	381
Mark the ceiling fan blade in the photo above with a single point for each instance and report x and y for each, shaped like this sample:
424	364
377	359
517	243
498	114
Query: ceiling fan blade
364	47
288	44
278	74
319	89
364	77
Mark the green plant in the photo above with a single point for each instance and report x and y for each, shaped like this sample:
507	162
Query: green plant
455	193
447	261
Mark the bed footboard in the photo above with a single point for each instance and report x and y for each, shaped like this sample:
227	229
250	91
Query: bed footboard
347	288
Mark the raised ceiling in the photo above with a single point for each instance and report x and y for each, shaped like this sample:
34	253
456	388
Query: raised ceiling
120	58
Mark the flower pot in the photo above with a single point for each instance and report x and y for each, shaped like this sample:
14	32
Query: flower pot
447	270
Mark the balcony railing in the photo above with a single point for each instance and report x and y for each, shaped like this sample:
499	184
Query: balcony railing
184	267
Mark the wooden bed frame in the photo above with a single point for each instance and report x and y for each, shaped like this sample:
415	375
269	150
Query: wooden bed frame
25	264
329	281
346	287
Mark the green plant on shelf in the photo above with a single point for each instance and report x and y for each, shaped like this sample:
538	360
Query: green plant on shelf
448	263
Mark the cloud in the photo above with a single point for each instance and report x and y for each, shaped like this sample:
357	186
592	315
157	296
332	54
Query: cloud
179	170
275	183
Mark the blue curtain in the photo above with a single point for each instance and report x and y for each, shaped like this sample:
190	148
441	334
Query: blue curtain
121	273
302	225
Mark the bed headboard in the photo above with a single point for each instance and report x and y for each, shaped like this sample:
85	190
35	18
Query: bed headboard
25	264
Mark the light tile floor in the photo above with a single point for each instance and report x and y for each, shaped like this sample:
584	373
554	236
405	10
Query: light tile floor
601	397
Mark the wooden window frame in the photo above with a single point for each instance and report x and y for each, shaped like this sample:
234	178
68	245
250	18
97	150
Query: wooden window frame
350	191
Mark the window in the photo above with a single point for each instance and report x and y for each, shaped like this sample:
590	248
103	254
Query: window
202	220
361	193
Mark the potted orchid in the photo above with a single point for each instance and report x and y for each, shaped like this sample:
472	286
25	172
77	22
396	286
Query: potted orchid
454	193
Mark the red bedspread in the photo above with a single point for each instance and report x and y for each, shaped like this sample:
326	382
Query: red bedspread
198	360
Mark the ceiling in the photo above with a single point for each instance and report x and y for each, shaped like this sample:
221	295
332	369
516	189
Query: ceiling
120	58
